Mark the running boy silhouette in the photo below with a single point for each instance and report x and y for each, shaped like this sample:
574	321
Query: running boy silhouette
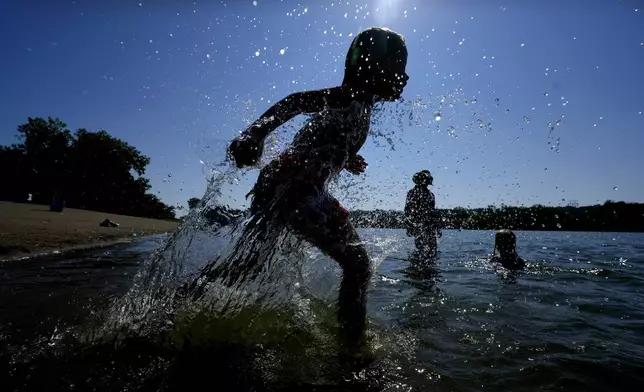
293	188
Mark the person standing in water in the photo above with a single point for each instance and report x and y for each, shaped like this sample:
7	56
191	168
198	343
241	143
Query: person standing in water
505	242
421	215
292	189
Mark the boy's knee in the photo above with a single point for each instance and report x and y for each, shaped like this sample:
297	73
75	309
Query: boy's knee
355	262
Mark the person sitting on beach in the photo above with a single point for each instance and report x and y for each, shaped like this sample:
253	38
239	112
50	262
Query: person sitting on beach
292	189
421	216
505	242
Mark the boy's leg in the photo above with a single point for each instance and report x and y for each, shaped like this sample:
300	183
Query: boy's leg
325	224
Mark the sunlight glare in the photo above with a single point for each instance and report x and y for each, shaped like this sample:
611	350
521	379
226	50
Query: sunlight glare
386	11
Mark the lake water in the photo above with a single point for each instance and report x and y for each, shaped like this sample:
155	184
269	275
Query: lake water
574	320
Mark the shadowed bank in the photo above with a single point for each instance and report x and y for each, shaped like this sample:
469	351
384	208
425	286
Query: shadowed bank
30	229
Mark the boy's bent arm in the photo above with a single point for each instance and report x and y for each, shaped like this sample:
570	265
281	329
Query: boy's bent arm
287	108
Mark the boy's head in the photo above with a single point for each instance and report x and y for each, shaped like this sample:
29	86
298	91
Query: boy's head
506	242
376	63
423	178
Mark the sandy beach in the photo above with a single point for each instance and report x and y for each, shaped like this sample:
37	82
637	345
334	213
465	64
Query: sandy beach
30	229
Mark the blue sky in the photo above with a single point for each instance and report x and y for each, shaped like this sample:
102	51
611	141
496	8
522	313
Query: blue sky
178	79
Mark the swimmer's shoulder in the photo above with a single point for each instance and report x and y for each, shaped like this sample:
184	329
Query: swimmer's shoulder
513	264
338	97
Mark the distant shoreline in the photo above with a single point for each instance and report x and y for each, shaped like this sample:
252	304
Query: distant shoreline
610	217
617	217
31	230
515	230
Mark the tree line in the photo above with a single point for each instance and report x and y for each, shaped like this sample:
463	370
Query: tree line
88	170
610	216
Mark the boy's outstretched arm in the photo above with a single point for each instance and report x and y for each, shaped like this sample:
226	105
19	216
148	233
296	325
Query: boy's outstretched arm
289	107
247	148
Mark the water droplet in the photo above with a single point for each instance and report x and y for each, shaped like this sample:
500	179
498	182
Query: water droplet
169	174
255	3
437	117
257	53
207	56
614	188
545	94
526	119
282	51
522	45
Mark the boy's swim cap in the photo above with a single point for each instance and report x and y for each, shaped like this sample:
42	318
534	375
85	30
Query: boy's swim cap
423	177
375	49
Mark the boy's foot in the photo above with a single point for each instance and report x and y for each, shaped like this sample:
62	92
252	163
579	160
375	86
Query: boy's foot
358	353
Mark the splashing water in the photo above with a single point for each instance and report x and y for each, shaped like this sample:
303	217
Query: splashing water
225	273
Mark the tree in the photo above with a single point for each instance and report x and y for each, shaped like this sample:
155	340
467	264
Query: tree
193	202
92	170
37	164
104	172
13	174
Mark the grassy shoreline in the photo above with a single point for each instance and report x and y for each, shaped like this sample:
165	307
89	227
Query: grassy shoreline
28	230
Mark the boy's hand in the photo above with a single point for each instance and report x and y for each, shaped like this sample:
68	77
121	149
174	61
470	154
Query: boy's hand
246	150
356	165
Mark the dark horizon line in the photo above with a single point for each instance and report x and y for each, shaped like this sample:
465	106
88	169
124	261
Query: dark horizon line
492	205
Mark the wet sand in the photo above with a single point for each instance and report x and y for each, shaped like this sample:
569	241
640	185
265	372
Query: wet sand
31	229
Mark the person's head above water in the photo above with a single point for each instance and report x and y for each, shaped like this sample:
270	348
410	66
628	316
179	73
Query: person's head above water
505	242
423	178
376	63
